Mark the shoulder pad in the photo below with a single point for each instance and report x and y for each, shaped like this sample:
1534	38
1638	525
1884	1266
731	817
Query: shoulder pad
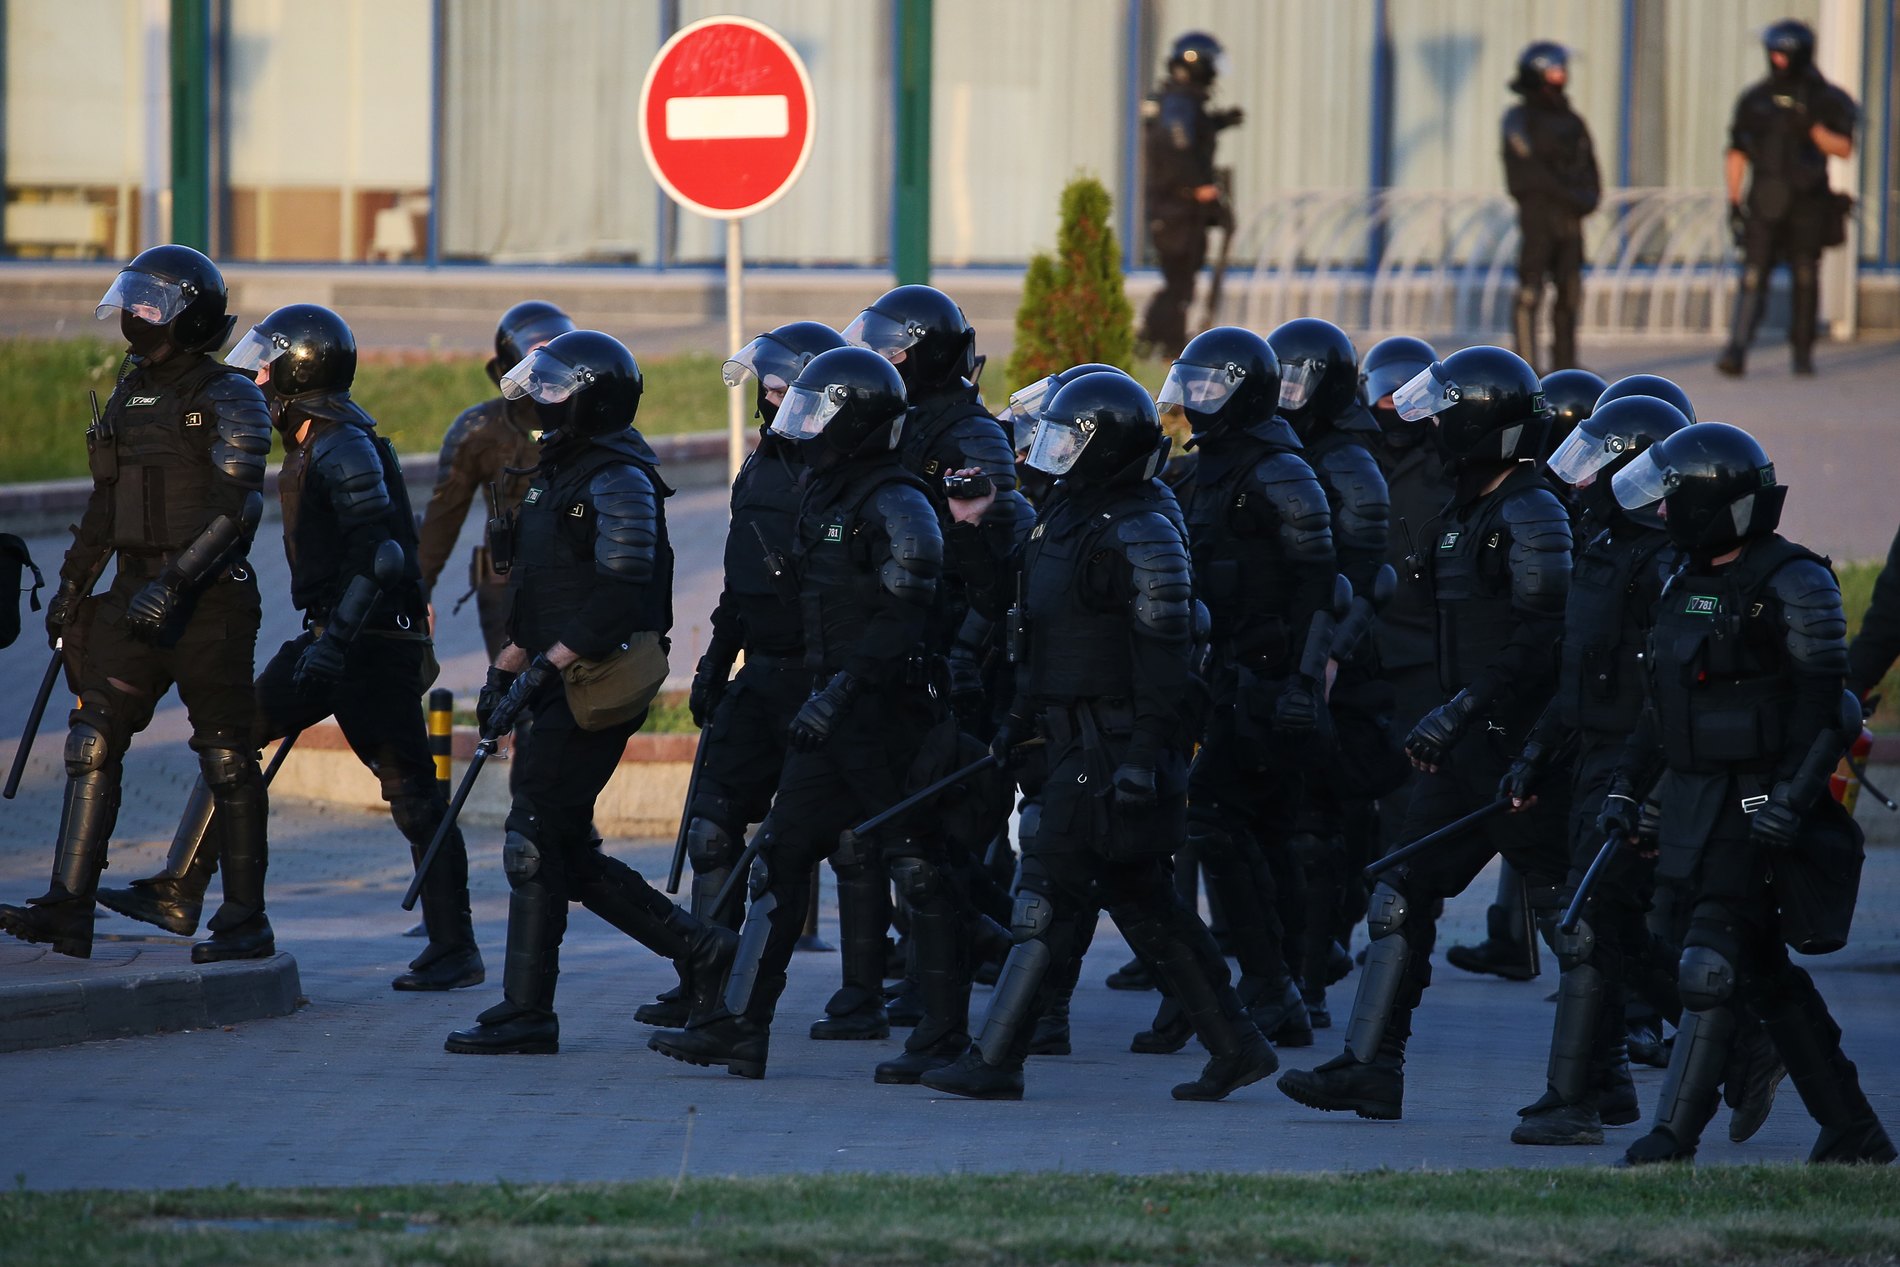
1810	600
352	471
1163	578
626	522
1540	552
980	440
916	542
1535	514
243	431
1299	503
1363	505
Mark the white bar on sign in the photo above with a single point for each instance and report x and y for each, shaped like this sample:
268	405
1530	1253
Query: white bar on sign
727	118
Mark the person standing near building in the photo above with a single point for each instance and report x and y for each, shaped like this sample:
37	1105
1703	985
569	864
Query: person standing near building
1785	129
1550	167
1179	189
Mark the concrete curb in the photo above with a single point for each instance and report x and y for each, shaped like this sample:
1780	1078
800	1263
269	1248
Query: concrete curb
686	461
146	987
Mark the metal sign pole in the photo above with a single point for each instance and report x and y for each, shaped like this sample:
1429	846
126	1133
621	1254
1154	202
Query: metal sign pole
735	339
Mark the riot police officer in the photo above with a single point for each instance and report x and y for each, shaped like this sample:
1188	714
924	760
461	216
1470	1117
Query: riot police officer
1618	578
488	448
1354	757
364	656
1784	130
1500	572
1105	681
591	602
177	463
1179	185
868	554
1262	542
1744	724
1550	169
1571	395
745	719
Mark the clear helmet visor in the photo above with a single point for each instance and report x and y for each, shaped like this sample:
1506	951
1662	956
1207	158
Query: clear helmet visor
886	336
1388	378
807	411
1426	395
1581	456
1057	443
1298	381
1201	388
258	348
543	379
1025	410
1643	482
146	296
766	359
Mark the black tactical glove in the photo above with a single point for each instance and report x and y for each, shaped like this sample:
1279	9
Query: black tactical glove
1777	825
1134	785
966	680
1232	117
1009	737
321	664
819	717
520	693
1621	815
149	609
1438	732
710	676
1296	712
62	610
1738	224
1527	770
496	686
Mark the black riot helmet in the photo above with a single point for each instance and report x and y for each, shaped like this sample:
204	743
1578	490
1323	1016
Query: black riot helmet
1197	58
1319	372
1609	440
169	298
582	383
1388	365
1225	379
1716	485
845	403
1648	385
522	329
775	359
1792	39
920	330
308	355
1536	62
1099	429
1571	395
1026	404
1487	403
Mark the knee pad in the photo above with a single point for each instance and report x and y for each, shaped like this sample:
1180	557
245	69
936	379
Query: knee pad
1573	950
1030	916
1706	978
520	859
87	750
226	768
918	879
1385	912
710	845
416	816
759	879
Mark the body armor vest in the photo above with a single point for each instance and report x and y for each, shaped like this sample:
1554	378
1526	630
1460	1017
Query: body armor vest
841	549
764	513
1720	673
554	569
314	541
1076	651
161	433
1471	582
1606	625
1244	580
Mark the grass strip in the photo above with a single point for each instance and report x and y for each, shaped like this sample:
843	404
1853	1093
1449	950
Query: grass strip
1578	1218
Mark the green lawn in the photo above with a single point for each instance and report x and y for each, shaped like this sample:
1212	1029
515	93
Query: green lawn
43	408
1579	1218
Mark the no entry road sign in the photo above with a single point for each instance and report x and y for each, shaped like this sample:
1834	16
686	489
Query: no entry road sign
726	117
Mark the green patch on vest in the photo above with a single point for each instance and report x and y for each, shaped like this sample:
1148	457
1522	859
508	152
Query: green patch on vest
1702	605
534	495
1449	541
834	532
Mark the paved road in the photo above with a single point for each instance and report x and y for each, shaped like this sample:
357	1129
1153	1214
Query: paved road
355	1087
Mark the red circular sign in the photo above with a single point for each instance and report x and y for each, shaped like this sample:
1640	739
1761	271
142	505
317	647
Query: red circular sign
726	117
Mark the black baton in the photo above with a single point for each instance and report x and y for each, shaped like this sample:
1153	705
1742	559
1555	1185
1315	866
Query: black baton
1450	831
33	723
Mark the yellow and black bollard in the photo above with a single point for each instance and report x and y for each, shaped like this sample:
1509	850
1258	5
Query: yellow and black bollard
442	735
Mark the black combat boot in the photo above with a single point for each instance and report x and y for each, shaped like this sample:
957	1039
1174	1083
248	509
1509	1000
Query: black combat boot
451	960
174	898
668	1011
741	1043
1374	1089
992	1069
1690	1089
1133	975
943	986
239	929
62	916
524	1022
1805	1034
1166	1034
856	1012
1278	1010
1754	1074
